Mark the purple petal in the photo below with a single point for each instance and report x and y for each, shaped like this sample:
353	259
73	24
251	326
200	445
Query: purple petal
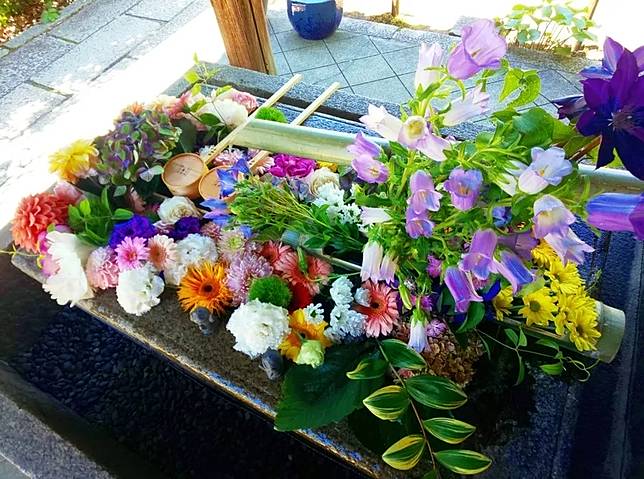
612	211
623	80
461	287
595	92
612	53
631	152
478	260
513	269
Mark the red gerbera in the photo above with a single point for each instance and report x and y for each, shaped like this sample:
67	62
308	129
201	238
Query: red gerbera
34	214
317	271
382	312
273	251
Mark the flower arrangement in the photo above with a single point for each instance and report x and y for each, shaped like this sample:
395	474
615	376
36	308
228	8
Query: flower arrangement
378	284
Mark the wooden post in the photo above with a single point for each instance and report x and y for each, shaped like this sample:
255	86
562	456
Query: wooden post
244	29
395	8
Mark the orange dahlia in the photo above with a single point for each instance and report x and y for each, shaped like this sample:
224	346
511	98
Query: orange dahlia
300	330
34	214
205	286
382	311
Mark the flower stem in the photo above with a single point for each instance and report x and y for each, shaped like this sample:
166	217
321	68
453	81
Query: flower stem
586	149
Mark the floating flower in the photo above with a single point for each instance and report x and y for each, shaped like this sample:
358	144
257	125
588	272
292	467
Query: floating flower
512	268
544	256
502	216
185	226
464	187
424	196
370	216
474	104
539	307
211	230
370	170
616	112
569	247
363	147
311	353
382	122
204	286
102	268
550	216
434	266
68	193
612	53
137	226
429	57
388	268
508	178
418	224
362	296
479	260
617	212
548	167
245	266
245	99
258	327
231	113
219	212
418	332
502	303
173	209
382	312
131	253
291	166
461	287
317	271
320	178
436	328
231	242
583	331
481	47
521	243
345	323
564	279
75	161
191	250
162	252
34	215
301	332
570	106
138	290
273	251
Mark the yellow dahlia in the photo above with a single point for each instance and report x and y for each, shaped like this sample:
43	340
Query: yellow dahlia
204	286
544	256
301	329
74	161
538	308
564	279
502	302
583	331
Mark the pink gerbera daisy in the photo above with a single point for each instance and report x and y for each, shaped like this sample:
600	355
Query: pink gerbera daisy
317	271
382	311
131	253
162	252
273	251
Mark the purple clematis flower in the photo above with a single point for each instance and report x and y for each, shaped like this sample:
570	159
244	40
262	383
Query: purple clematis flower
548	167
480	257
616	112
474	104
551	217
521	243
569	247
481	47
434	266
370	170
617	212
418	224
461	287
464	187
423	195
612	53
363	147
512	268
570	106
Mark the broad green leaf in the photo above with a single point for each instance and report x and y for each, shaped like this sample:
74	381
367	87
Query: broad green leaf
511	83
405	454
431	474
535	125
314	397
388	403
552	369
401	355
209	119
435	391
368	368
188	136
475	315
512	336
451	431
463	461
530	88
105	201
122	214
523	341
191	76
120	190
521	373
548	343
85	208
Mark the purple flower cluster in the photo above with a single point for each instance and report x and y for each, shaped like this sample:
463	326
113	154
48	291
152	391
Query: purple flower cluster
423	199
291	166
137	226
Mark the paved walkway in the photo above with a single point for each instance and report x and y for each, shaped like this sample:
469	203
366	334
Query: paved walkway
68	80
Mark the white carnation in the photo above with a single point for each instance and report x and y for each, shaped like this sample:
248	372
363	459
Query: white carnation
362	297
321	177
258	327
69	284
231	113
138	290
175	208
345	324
314	313
191	251
341	291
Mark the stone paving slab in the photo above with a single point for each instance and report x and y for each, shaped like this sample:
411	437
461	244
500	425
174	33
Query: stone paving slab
159	9
358	46
87	60
281	65
403	61
314	56
395	91
366	70
386	45
554	85
91	18
24	105
290	40
9	471
22	64
324	76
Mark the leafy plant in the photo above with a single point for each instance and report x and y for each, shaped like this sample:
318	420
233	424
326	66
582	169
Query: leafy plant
552	25
50	13
271	114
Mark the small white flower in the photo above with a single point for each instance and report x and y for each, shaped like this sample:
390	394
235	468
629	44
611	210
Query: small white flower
341	291
258	327
345	323
314	313
191	250
362	297
175	208
138	290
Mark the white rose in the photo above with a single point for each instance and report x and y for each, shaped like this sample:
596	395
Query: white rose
138	290
322	176
175	208
232	114
258	327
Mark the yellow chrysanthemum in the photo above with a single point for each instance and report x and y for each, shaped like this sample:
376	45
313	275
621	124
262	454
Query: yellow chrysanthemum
544	256
75	161
583	331
331	166
564	279
205	286
502	302
567	305
538	308
300	329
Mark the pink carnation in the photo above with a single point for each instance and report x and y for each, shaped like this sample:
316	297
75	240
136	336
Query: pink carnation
102	269
131	253
244	268
246	100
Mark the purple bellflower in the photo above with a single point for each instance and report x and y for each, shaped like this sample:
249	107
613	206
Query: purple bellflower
418	331
434	266
423	195
363	147
464	187
461	287
617	212
219	212
370	170
569	247
382	122
372	254
480	257
512	268
548	167
417	135
481	47
551	217
429	56
474	104
418	224
521	243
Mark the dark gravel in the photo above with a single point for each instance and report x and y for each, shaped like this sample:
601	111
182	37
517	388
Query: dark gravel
183	427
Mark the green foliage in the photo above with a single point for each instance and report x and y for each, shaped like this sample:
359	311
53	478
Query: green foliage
50	13
463	461
315	397
271	289
93	219
435	391
552	25
199	75
368	368
388	403
271	114
402	356
526	83
405	453
451	431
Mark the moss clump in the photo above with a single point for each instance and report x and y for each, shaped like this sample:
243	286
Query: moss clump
271	114
270	289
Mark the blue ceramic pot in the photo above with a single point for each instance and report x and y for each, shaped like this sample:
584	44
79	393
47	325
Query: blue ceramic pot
315	19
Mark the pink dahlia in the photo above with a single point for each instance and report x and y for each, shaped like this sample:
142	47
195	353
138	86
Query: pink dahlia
382	311
317	271
244	268
68	193
162	252
34	214
273	251
131	253
211	230
230	243
102	269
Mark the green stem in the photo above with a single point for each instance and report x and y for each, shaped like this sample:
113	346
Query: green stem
511	348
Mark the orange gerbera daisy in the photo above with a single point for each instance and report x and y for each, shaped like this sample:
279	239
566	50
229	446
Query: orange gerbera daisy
205	286
301	329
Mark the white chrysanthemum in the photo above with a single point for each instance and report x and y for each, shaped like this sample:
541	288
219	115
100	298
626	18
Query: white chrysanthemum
138	290
69	284
332	197
175	208
191	250
362	297
314	313
320	177
258	327
341	291
345	323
